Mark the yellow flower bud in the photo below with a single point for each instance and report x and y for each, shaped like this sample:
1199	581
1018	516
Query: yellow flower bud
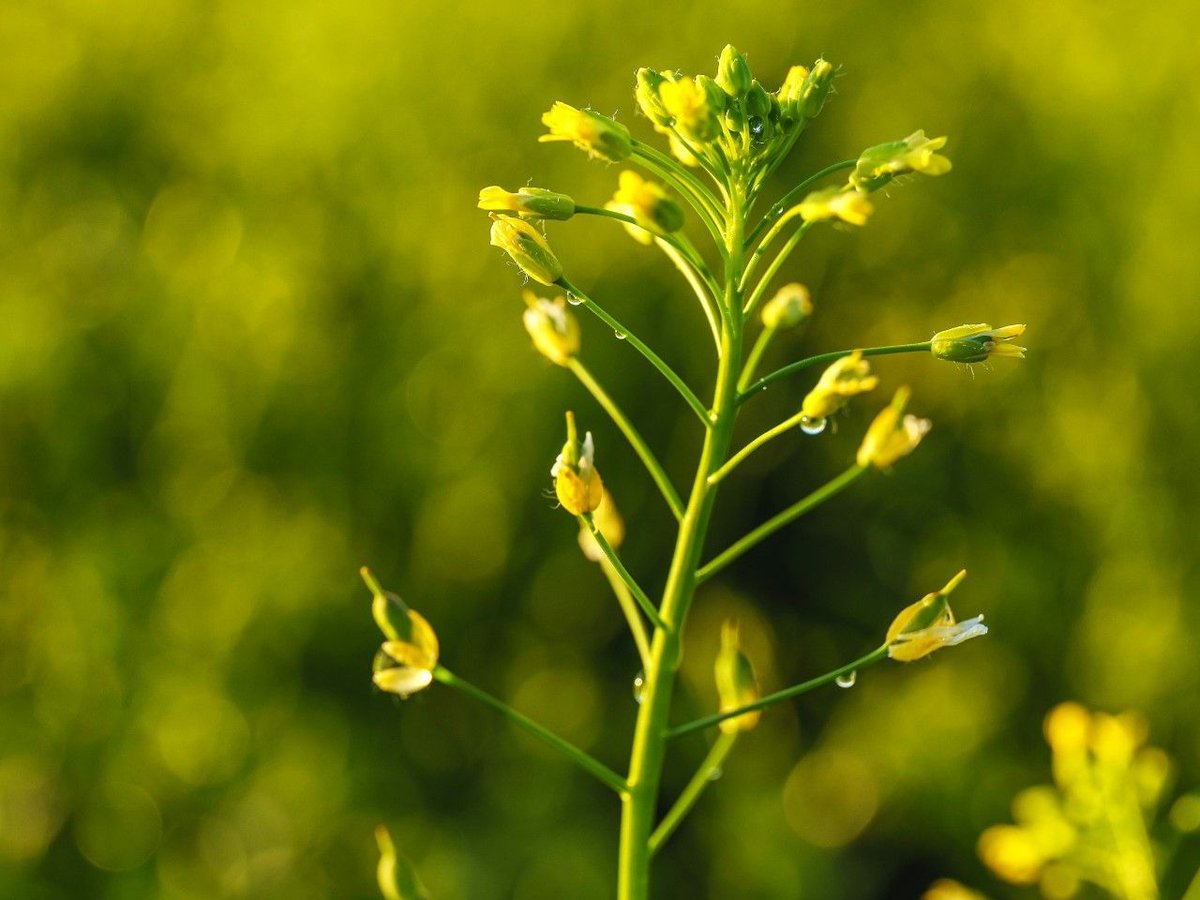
648	203
405	663
576	481
733	72
835	203
396	876
611	525
528	202
847	377
929	625
598	135
892	435
646	94
1012	853
527	247
736	684
977	343
916	153
948	889
1066	728
692	108
555	331
817	86
790	306
791	92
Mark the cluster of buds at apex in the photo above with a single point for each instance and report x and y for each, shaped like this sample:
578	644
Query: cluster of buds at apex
848	205
977	343
845	378
790	306
528	203
893	435
528	248
554	330
878	165
576	481
405	662
608	520
736	684
648	204
694	105
929	625
598	135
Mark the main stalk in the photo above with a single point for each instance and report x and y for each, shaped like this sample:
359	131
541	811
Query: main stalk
640	802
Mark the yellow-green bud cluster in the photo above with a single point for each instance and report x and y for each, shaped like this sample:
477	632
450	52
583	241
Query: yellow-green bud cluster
528	248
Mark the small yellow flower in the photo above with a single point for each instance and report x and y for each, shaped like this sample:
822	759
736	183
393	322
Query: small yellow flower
929	625
598	135
835	203
892	435
791	92
736	684
405	662
611	525
648	203
528	202
576	481
1012	853
916	153
977	343
847	377
692	108
816	88
948	889
555	331
527	247
790	306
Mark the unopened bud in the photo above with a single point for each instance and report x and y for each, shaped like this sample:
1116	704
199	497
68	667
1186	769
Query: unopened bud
576	481
892	435
977	343
790	306
736	684
528	202
590	131
554	330
878	165
527	247
733	72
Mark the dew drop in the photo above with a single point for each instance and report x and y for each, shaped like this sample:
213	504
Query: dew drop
639	686
847	680
619	335
755	123
573	299
715	774
812	425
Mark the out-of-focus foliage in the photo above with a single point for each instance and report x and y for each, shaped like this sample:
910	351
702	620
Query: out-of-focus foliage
253	337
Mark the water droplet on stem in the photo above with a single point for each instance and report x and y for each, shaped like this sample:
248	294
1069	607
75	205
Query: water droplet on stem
812	424
639	686
847	680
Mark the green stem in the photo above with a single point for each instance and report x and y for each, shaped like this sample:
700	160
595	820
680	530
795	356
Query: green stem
1193	891
760	347
637	343
780	206
705	163
780	258
638	593
653	466
630	608
779	696
585	761
678	241
700	780
801	365
768	528
702	199
782	428
692	278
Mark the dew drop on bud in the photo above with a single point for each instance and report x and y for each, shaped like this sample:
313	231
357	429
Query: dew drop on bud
715	774
573	299
812	424
847	680
755	124
639	686
619	335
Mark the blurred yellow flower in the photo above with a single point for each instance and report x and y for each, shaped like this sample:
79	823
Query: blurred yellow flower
892	435
405	662
611	525
929	625
736	684
576	481
845	378
948	889
648	203
835	203
916	153
790	306
692	107
554	330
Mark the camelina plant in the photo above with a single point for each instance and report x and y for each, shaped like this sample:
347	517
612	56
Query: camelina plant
726	136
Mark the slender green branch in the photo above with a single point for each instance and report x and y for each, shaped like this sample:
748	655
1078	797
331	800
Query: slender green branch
655	360
584	760
707	164
653	466
709	768
809	362
779	696
768	528
770	434
756	353
780	206
678	241
630	608
1193	891
687	185
706	301
780	258
638	593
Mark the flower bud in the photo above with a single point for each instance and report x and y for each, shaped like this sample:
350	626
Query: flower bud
396	876
815	90
892	435
929	625
527	247
790	306
845	378
528	202
791	92
554	330
759	111
405	663
648	204
691	106
977	343
835	203
646	94
880	164
598	135
576	481
736	684
611	525
733	72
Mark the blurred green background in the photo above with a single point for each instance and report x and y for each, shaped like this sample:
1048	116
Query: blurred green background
253	337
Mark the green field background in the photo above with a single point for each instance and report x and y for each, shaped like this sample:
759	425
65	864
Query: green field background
252	336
